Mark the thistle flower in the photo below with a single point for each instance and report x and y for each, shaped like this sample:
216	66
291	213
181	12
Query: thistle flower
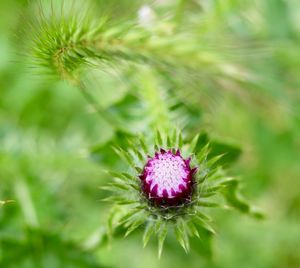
167	189
167	178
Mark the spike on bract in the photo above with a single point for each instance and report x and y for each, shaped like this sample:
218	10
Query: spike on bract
167	178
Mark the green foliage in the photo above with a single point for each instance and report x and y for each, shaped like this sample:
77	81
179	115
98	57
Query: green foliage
63	45
39	248
228	68
66	43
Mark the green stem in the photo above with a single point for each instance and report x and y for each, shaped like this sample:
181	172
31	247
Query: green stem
102	113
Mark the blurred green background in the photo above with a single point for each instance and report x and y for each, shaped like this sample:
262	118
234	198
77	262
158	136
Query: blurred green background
54	147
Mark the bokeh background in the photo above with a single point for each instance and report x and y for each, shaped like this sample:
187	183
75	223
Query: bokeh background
54	148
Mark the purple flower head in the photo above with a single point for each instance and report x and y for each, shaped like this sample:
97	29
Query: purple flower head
167	178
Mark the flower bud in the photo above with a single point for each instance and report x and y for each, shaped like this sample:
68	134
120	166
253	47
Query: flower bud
167	178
